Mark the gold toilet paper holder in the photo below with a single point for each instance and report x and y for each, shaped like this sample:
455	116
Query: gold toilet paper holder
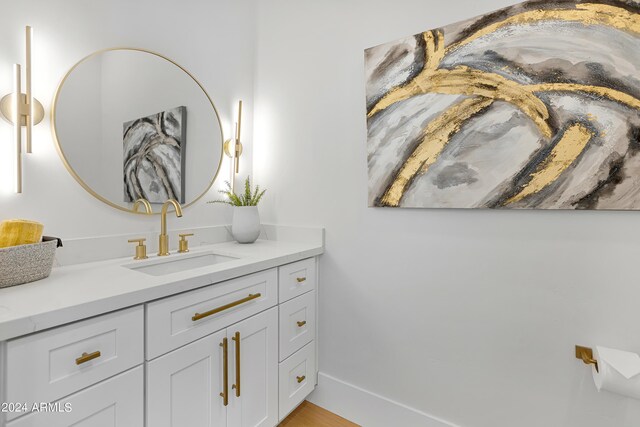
586	355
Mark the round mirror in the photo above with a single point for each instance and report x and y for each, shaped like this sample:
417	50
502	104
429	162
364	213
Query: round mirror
133	124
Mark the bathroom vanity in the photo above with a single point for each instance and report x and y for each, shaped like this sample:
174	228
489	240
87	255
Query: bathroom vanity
222	336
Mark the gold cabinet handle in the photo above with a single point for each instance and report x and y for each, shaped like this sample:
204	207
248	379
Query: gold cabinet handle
87	357
301	279
236	386
225	372
302	323
199	316
300	379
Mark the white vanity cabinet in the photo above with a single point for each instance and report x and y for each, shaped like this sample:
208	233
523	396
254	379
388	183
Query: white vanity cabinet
237	353
229	378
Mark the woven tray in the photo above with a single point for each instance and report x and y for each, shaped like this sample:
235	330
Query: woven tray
27	263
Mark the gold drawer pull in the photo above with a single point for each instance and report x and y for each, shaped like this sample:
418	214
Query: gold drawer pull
86	357
199	316
300	379
302	323
301	279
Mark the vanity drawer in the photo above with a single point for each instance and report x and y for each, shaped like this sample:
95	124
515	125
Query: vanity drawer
297	278
297	323
118	401
297	377
175	321
49	365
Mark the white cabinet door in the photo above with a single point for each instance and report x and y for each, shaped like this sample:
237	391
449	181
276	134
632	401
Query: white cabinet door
253	400
115	402
184	386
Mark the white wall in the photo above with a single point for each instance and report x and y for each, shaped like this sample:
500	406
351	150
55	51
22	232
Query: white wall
214	40
467	315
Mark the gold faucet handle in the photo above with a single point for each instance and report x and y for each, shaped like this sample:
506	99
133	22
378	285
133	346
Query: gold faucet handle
141	249
183	244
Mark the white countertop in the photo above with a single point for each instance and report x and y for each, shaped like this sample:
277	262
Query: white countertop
80	291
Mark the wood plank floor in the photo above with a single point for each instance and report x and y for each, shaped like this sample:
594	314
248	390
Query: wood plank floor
310	415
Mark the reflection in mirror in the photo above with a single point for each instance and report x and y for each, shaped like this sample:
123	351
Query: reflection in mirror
132	124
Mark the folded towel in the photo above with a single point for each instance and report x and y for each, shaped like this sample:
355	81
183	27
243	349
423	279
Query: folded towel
16	232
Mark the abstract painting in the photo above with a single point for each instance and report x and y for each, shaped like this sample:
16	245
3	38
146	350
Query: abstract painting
154	157
535	106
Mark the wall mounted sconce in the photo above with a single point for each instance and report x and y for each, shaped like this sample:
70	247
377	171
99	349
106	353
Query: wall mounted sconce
22	109
235	151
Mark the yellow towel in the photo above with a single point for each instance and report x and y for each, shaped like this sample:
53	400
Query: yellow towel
16	232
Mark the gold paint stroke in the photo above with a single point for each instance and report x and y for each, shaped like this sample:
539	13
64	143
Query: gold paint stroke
587	14
433	54
573	141
434	50
605	92
436	137
468	81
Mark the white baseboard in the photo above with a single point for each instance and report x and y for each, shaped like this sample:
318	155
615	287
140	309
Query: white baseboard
366	408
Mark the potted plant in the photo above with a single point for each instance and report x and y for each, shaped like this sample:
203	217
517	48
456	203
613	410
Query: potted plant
245	226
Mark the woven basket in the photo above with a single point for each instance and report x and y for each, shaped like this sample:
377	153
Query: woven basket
27	263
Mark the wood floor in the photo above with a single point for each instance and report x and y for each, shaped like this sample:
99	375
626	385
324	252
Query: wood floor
310	415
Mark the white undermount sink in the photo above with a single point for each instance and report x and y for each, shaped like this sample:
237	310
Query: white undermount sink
178	263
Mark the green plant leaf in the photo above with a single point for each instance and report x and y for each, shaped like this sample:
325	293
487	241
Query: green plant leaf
247	192
259	197
247	198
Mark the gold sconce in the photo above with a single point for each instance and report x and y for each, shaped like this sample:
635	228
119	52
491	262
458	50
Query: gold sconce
22	109
235	151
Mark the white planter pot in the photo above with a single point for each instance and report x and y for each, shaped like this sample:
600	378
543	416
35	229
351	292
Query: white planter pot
245	226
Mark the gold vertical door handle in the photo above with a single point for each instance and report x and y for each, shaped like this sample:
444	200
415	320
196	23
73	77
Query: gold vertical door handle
225	372
236	386
300	379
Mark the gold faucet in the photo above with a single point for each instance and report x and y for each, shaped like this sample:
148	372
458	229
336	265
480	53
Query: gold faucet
145	203
163	246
